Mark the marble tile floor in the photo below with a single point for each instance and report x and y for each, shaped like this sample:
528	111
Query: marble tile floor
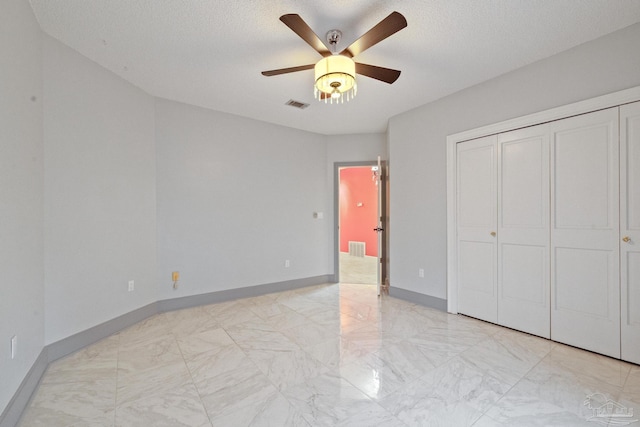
329	355
361	270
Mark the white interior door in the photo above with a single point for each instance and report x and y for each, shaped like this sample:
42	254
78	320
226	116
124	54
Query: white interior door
630	231
585	285
476	228
380	227
523	230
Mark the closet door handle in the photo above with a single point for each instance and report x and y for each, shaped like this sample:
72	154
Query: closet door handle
626	239
493	234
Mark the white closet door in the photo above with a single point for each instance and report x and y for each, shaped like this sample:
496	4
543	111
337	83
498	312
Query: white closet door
523	230
630	230
476	220
585	285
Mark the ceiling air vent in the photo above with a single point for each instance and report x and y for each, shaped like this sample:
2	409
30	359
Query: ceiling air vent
297	104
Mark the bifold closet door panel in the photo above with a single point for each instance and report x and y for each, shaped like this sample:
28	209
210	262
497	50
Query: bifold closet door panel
585	280
523	230
476	228
630	230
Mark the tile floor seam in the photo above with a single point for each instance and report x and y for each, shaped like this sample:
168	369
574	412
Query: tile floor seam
484	413
627	377
258	367
193	382
115	403
278	391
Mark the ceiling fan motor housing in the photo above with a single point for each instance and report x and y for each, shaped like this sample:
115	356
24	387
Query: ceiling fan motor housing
333	38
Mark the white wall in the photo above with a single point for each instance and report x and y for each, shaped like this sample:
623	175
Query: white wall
236	198
417	142
355	148
100	226
21	192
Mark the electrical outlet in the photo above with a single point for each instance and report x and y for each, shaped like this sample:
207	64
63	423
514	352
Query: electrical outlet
14	346
287	263
421	272
131	285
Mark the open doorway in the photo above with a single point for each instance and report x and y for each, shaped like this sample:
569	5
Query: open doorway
359	238
358	196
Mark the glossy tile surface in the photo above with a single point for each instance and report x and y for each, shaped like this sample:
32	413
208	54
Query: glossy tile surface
361	270
329	355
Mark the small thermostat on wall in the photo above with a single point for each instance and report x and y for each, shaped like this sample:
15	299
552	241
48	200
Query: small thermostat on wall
318	215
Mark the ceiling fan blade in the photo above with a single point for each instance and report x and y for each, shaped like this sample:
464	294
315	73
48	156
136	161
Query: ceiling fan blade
288	70
388	26
298	26
386	75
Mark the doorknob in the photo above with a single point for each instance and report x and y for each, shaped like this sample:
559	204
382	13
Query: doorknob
626	239
493	234
378	229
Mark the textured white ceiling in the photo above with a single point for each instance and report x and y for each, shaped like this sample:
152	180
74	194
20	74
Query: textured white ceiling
210	52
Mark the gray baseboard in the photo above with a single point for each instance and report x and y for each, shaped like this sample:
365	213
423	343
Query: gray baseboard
422	299
54	351
64	347
246	292
12	413
89	336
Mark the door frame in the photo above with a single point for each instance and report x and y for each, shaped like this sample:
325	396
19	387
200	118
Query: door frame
336	215
614	99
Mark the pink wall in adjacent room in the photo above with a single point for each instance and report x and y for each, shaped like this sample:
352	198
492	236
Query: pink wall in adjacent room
357	222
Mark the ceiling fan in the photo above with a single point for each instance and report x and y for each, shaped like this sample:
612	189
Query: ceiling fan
335	72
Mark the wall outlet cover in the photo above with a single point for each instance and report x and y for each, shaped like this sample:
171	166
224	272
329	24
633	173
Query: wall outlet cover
14	346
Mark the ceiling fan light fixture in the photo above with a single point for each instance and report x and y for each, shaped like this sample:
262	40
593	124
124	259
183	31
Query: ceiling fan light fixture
335	78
